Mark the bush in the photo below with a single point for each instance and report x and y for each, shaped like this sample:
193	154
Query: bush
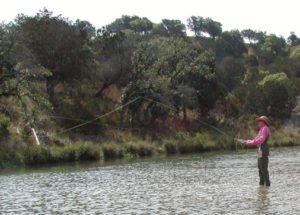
61	154
170	147
112	151
35	155
140	149
285	137
190	147
4	123
88	151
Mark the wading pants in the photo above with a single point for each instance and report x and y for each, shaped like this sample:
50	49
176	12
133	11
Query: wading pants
263	171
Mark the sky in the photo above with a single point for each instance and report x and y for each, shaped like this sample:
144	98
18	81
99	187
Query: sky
273	16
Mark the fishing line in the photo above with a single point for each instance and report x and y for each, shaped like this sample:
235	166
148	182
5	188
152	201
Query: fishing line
128	103
200	121
99	117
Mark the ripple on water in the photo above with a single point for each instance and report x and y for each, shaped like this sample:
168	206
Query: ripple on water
217	184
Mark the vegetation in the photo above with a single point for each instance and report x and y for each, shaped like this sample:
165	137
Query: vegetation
59	76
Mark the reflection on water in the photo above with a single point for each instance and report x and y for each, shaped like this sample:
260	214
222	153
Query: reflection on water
263	200
202	184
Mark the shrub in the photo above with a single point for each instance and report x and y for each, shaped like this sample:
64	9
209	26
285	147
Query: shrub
170	147
88	151
37	155
112	151
140	149
63	153
4	123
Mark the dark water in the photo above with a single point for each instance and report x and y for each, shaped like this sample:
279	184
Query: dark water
200	184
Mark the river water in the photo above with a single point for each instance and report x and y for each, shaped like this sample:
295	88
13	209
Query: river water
212	183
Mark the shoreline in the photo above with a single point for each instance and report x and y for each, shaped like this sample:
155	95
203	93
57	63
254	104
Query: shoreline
120	156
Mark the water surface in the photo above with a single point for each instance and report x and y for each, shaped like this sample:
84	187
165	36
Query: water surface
221	183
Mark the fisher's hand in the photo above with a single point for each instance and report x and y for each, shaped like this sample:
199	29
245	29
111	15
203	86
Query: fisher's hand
241	141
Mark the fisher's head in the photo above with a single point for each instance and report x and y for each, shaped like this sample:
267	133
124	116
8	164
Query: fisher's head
262	120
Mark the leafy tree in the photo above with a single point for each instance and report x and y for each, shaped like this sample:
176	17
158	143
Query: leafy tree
57	45
230	72
112	63
250	35
200	25
294	61
169	70
272	47
213	28
196	24
140	25
293	40
121	24
281	105
230	43
295	52
19	78
169	28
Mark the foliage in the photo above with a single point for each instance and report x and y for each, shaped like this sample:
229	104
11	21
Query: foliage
112	151
57	74
168	70
200	26
284	101
169	28
230	43
36	155
140	149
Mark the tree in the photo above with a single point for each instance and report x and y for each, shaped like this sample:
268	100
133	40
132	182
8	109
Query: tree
281	105
294	61
200	25
142	25
139	25
170	28
295	53
113	54
230	72
57	45
169	70
213	28
250	35
230	43
272	47
19	78
293	40
196	24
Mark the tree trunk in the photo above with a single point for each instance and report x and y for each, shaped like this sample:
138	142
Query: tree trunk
50	89
99	93
184	113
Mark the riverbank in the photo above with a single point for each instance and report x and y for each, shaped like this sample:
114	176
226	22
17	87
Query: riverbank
16	155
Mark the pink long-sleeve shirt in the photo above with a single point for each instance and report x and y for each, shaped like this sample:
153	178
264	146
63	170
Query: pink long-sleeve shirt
264	133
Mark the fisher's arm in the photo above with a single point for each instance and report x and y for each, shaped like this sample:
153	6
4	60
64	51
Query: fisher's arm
260	138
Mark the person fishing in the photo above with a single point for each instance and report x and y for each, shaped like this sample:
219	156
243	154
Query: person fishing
261	140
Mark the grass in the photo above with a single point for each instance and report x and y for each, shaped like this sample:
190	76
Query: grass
140	149
16	152
285	137
35	155
112	151
184	143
